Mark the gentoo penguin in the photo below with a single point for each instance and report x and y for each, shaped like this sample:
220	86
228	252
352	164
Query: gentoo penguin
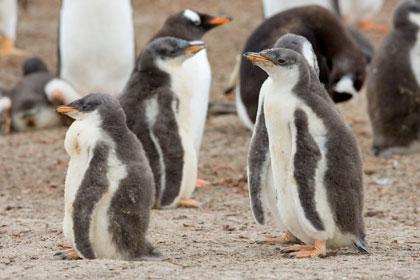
30	107
96	48
304	163
8	21
5	107
393	86
154	101
109	186
352	11
191	26
341	61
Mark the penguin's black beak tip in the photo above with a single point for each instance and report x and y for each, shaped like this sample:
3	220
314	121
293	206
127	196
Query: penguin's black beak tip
66	109
220	20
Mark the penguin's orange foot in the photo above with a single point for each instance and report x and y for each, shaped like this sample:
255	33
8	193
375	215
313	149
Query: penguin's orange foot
64	245
188	202
368	25
307	251
69	254
202	183
281	240
7	48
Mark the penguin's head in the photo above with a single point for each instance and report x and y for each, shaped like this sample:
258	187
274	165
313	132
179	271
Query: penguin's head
193	25
300	45
168	52
94	104
280	64
407	16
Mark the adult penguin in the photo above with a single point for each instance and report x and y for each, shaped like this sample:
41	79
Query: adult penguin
96	48
192	26
341	61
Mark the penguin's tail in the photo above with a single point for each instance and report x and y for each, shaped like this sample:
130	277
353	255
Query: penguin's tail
234	76
361	245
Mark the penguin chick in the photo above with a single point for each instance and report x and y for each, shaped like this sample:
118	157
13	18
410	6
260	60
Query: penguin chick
109	186
393	87
30	107
304	163
152	101
191	26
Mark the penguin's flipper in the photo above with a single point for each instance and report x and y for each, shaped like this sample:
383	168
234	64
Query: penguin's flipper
258	164
93	186
171	150
305	162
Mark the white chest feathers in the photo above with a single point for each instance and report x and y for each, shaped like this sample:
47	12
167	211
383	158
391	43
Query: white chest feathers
96	44
415	55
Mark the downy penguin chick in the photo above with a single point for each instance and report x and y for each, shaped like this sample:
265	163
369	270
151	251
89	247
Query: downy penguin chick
154	101
109	186
30	107
393	86
190	25
341	62
304	163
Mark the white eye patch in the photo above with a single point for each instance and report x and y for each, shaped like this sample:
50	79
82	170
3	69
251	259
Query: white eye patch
415	18
309	54
192	16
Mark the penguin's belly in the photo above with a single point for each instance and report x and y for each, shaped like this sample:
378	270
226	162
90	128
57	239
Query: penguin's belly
283	136
189	170
198	70
415	57
96	48
80	137
75	173
279	110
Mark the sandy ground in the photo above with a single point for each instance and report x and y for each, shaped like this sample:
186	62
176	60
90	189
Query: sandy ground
219	240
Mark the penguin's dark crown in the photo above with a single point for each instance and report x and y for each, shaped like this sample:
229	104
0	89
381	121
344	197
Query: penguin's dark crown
90	103
196	21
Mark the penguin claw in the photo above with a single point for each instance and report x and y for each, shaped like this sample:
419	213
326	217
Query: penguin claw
69	254
202	183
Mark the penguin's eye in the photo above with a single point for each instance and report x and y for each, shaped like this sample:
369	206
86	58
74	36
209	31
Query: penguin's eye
172	52
197	22
282	61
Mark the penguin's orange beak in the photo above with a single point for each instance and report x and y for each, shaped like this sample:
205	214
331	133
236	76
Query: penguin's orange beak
219	20
256	57
66	109
194	48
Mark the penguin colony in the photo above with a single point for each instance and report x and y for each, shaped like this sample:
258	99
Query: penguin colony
136	145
